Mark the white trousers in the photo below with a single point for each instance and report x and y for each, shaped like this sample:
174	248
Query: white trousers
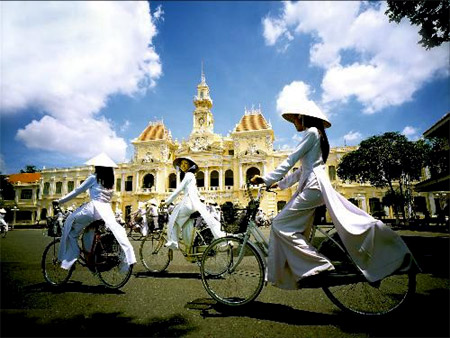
69	250
182	222
291	256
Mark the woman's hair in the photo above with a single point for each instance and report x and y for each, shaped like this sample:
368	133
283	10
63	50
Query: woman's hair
309	122
105	176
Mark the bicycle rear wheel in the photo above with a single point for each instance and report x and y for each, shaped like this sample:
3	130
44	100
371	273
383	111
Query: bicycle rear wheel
357	295
51	265
153	254
231	273
108	256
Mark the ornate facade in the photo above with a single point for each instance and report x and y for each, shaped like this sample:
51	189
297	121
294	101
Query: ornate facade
225	163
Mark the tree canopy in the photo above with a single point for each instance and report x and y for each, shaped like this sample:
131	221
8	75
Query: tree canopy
29	169
383	160
431	16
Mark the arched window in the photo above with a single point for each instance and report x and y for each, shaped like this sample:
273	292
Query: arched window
46	188
58	187
251	172
129	183
200	179
280	205
43	214
229	179
214	179
332	172
149	181
354	201
172	181
70	186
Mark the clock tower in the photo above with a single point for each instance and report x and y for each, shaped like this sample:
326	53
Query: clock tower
203	118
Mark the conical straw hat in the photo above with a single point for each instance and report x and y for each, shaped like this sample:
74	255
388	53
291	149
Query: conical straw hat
101	160
317	113
177	161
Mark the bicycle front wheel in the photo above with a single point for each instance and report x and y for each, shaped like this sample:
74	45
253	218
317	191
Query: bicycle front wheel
108	258
51	265
357	295
153	254
232	274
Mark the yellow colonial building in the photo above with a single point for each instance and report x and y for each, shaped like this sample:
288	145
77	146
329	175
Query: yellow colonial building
225	164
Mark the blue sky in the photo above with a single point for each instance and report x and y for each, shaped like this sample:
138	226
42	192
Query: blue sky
79	77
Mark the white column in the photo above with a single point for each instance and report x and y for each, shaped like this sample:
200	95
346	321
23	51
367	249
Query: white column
432	204
122	182
64	187
220	178
240	175
137	186
206	178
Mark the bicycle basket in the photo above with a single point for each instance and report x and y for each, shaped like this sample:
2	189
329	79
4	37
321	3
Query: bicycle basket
235	220
107	253
54	226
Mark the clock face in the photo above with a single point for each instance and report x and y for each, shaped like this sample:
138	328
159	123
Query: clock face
201	121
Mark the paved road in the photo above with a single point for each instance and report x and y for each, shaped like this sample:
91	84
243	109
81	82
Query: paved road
175	304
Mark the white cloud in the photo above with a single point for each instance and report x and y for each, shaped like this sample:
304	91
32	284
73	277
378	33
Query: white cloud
294	97
91	137
65	59
352	137
387	65
410	132
2	164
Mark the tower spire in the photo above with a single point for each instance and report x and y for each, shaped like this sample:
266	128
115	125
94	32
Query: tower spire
203	81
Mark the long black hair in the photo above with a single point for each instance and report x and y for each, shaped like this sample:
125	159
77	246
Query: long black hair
105	176
310	121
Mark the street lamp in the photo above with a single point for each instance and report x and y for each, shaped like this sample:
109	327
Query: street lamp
14	209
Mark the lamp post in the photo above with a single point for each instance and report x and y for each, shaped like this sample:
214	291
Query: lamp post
14	209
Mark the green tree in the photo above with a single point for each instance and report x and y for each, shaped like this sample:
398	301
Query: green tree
431	16
437	159
385	160
29	169
6	189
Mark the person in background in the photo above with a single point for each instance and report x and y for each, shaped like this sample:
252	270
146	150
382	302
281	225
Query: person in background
152	214
2	219
100	186
119	217
179	219
260	217
142	219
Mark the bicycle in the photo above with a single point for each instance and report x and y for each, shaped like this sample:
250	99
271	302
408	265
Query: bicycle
234	274
103	259
135	225
156	257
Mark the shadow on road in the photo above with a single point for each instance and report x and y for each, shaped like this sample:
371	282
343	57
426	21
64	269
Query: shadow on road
72	286
411	321
181	275
95	325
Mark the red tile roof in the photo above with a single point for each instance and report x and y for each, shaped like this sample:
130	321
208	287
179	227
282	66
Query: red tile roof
24	178
252	122
154	131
